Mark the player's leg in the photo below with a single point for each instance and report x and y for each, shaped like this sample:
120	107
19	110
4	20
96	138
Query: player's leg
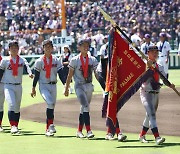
145	98
47	95
53	92
18	95
149	105
120	135
89	90
11	100
80	124
1	105
146	120
159	140
82	97
166	66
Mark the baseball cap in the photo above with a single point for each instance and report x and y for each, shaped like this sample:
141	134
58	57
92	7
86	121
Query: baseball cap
67	46
162	35
13	43
147	36
153	47
47	42
84	41
106	37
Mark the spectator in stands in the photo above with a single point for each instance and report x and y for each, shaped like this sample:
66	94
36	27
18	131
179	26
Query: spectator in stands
148	16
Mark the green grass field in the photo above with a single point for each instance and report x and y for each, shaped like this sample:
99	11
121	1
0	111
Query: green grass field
33	141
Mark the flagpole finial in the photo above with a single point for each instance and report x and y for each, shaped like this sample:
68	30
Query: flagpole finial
107	17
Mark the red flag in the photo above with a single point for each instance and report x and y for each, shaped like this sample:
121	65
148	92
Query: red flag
127	73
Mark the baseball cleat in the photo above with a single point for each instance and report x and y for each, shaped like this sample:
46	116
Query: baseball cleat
142	139
79	135
48	133
109	136
159	140
14	130
90	134
52	128
1	129
121	137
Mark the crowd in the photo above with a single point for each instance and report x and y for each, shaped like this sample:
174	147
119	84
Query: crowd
29	20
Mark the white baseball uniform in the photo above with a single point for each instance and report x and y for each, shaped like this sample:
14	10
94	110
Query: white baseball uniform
12	84
83	88
149	94
144	47
164	48
47	86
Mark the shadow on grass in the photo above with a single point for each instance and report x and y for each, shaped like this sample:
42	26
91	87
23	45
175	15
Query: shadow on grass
64	136
134	141
151	146
23	133
97	139
6	126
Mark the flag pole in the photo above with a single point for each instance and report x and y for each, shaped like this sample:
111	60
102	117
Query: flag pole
108	18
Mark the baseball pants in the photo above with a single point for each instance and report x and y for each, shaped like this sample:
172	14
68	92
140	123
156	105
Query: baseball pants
49	94
84	95
150	102
13	95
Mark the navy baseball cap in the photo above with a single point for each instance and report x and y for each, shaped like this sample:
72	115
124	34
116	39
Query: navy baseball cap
162	35
153	47
13	43
47	42
84	41
147	36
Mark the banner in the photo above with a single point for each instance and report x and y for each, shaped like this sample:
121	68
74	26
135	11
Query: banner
127	72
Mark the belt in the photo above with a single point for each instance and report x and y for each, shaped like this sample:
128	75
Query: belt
13	83
53	82
163	56
153	92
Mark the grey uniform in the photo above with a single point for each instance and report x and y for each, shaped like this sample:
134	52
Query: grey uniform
83	88
12	84
149	95
47	86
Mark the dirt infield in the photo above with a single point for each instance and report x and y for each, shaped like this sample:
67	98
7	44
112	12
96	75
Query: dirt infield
130	116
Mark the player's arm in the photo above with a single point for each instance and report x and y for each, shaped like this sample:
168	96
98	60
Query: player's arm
68	81
167	57
35	80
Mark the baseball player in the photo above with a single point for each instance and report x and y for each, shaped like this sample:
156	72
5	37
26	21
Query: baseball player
81	67
102	71
146	44
46	69
164	49
11	68
149	94
1	97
